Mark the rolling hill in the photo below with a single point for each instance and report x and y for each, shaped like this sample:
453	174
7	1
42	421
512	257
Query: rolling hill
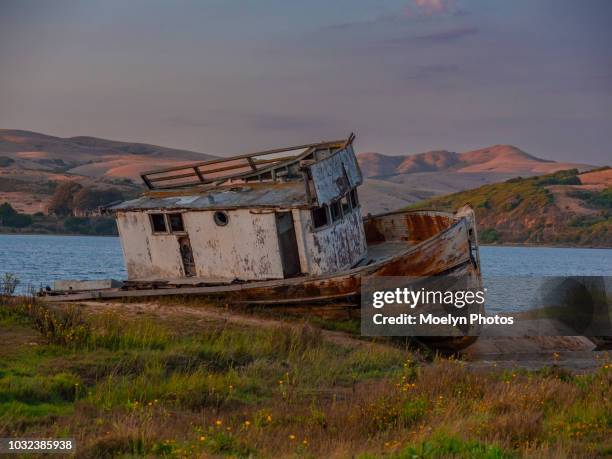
563	208
497	158
31	164
396	181
88	156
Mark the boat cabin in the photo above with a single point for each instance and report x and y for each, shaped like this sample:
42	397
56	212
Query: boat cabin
268	215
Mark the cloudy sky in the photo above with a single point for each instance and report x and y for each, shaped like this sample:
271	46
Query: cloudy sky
225	77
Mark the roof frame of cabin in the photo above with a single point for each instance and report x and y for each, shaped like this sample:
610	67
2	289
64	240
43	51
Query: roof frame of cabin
245	167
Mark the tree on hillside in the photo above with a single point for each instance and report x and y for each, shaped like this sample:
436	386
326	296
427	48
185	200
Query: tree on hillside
61	201
88	199
10	217
6	210
72	198
5	161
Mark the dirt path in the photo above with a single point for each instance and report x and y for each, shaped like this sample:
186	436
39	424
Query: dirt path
199	315
15	338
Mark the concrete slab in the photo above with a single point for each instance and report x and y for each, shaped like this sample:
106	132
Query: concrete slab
83	285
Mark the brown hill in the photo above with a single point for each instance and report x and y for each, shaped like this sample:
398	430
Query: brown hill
87	156
377	164
81	148
393	182
32	164
497	158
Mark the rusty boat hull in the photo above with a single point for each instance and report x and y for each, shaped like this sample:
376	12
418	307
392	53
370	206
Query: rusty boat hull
403	243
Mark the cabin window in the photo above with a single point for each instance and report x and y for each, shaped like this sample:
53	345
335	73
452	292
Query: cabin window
221	218
319	216
354	199
158	223
346	204
176	223
336	213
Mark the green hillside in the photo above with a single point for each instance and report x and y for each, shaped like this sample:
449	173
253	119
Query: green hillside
555	209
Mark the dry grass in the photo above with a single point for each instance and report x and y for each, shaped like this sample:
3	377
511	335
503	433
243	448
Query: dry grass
136	388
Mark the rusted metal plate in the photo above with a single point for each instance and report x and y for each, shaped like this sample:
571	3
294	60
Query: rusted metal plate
413	227
251	195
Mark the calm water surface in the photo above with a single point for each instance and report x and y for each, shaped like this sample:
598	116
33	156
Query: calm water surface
545	261
38	260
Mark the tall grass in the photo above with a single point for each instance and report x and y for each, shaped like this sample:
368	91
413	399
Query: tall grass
134	387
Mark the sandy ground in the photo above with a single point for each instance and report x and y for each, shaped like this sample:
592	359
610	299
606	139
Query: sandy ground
573	353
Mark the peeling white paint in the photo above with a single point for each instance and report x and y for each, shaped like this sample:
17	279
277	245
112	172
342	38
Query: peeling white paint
148	255
246	248
335	175
336	247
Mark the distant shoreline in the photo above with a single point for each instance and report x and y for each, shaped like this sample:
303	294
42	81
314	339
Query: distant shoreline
549	246
2	233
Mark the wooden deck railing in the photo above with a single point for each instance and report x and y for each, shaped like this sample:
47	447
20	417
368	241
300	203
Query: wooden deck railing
219	170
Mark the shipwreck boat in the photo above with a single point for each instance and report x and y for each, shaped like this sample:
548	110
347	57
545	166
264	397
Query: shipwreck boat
282	226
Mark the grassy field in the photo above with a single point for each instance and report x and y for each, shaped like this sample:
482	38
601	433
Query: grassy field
134	387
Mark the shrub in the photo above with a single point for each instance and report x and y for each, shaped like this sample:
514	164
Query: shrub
513	203
19	221
8	284
65	326
486	204
488	236
105	226
567	177
10	217
5	161
596	199
77	224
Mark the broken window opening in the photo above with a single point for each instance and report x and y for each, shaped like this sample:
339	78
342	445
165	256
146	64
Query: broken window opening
176	223
158	223
319	216
346	204
354	198
336	212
